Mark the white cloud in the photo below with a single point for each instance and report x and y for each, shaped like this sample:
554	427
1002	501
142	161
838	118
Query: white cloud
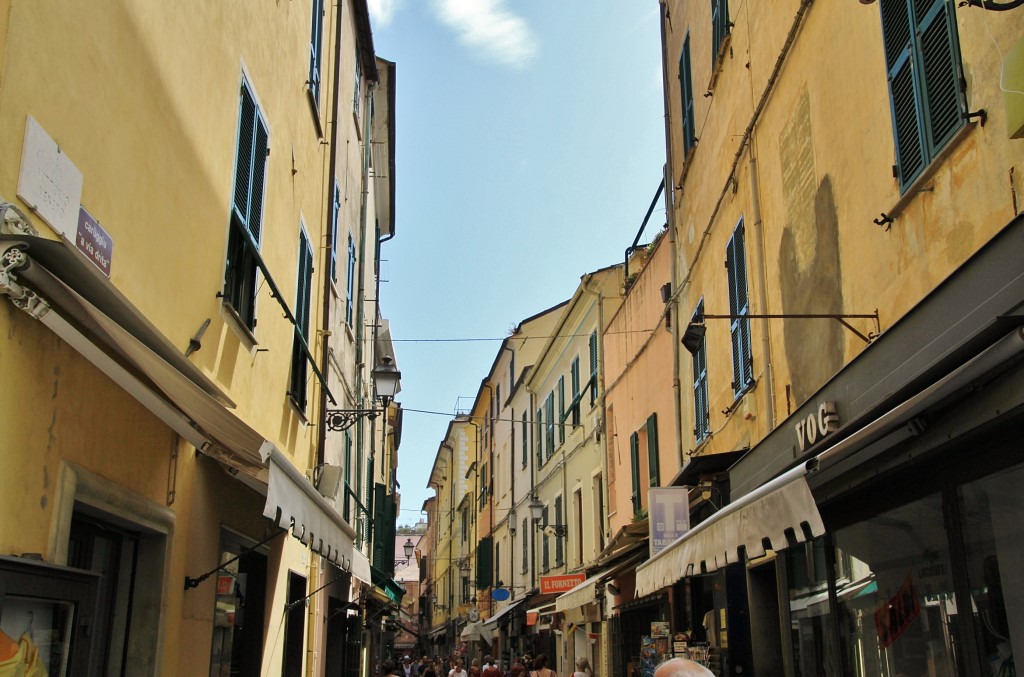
486	26
382	11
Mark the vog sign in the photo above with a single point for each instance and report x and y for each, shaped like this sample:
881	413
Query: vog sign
817	425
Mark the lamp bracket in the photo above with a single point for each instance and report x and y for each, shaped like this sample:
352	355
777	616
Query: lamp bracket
343	419
840	318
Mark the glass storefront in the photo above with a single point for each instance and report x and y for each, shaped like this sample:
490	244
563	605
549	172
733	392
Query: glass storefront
928	588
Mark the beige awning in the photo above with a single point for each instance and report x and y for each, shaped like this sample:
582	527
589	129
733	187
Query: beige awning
512	606
767	514
293	502
175	394
586	592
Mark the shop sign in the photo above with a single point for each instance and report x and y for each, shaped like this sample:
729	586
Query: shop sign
49	182
896	615
669	516
94	242
559	584
817	425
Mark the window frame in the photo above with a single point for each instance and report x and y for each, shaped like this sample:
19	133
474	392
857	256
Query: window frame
298	377
701	407
316	54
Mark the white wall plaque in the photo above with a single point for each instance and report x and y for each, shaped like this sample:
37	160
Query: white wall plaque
49	183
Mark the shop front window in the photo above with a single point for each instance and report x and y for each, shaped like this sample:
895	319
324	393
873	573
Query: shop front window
810	621
992	510
896	605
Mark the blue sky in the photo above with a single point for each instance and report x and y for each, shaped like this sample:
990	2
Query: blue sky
530	142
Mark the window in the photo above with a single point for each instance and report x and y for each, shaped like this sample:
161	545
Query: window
539	444
526	546
652	450
545	562
922	59
351	282
634	466
739	304
315	51
701	408
359	84
549	425
719	27
335	212
561	409
465	525
246	210
559	540
294	627
347	503
526	438
686	89
574	378
300	339
593	368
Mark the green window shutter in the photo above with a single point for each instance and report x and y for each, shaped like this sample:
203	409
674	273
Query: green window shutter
593	368
549	425
335	213
526	439
350	282
559	541
545	560
303	294
634	466
652	450
574	373
380	514
485	563
539	446
701	410
686	91
939	56
561	409
346	500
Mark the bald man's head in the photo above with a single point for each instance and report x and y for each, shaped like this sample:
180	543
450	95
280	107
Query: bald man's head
681	667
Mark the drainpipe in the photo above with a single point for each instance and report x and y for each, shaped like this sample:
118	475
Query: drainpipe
603	444
533	490
670	216
762	294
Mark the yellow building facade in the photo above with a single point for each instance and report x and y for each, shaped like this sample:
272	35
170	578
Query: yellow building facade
173	266
855	167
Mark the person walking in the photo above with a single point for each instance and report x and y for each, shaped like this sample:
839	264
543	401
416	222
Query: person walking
491	668
540	667
457	670
583	668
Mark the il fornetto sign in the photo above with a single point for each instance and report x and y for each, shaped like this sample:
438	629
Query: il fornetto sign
817	425
560	584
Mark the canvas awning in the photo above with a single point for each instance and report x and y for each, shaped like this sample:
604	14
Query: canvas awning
493	620
779	512
587	591
293	502
476	631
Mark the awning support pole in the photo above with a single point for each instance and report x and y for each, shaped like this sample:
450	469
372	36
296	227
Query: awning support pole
194	582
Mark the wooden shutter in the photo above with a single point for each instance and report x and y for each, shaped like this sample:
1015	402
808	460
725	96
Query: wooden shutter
735	263
559	541
634	465
652	450
593	368
561	409
485	563
686	92
939	58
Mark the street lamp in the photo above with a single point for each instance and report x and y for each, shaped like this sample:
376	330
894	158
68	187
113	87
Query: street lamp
693	337
537	515
386	378
408	547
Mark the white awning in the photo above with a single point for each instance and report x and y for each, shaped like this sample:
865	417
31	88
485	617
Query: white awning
361	567
586	592
493	620
292	501
780	506
476	631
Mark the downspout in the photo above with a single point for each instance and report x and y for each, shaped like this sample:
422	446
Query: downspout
603	442
762	294
533	489
670	216
315	610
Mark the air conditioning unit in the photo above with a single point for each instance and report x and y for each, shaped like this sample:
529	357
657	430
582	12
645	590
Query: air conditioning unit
327	481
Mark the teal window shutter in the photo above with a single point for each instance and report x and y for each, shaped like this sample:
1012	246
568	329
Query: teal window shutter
316	49
719	27
923	61
736	265
245	229
652	450
559	541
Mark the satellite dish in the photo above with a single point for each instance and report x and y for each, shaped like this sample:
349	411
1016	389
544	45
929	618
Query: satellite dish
500	594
